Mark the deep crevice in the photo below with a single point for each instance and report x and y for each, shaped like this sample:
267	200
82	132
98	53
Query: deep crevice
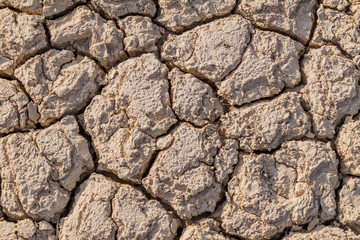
314	25
14	9
83	177
67	11
179	232
150	164
233	236
149	196
193	25
279	32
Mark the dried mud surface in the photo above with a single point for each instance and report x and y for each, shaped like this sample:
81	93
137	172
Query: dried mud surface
166	119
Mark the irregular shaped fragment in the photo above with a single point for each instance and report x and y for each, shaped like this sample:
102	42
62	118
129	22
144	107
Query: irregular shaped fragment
90	34
348	147
164	142
121	8
104	209
323	232
193	100
225	161
26	229
183	175
139	86
270	63
349	198
140	218
16	111
90	215
176	15
60	83
205	229
132	109
331	91
270	192
48	8
209	51
141	35
291	17
22	36
340	28
39	169
265	125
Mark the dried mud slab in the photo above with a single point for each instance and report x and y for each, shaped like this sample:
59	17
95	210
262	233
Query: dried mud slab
26	229
332	90
90	34
291	17
183	175
176	15
131	111
204	229
270	192
17	112
270	63
121	8
21	36
48	8
265	125
141	35
349	198
324	232
41	168
348	147
60	83
339	27
211	50
193	100
109	210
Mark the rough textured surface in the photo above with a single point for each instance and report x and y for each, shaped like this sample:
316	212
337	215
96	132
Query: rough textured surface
324	232
339	27
140	218
265	125
121	8
21	36
131	110
193	100
16	111
39	169
269	192
331	91
205	229
198	119
175	15
60	83
141	35
182	174
26	229
291	17
340	5
108	210
349	199
348	147
90	215
90	34
48	8
270	62
211	50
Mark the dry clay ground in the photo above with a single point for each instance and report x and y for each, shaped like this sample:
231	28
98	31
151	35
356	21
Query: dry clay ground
199	119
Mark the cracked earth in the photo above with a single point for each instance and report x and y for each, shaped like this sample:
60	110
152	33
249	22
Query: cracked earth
200	119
